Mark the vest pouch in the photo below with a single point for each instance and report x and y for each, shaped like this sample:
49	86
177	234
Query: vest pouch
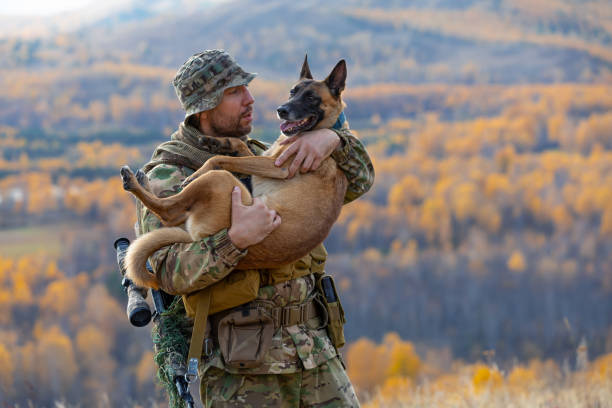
335	312
238	288
318	256
245	335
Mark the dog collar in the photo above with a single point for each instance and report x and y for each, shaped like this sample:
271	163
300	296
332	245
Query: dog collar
340	122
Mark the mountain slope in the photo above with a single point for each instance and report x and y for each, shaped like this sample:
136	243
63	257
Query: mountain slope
491	41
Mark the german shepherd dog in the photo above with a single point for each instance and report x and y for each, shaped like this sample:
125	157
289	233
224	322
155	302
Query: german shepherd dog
308	203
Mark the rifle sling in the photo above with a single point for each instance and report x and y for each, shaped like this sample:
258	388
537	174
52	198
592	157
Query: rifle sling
199	326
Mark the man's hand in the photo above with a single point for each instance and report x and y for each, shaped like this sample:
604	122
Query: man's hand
250	223
310	149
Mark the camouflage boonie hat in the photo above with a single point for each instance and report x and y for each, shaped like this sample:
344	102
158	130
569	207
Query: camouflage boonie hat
200	82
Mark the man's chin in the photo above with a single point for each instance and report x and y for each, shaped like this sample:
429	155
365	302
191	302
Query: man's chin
245	130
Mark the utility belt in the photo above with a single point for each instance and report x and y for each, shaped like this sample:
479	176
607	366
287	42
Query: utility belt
295	314
244	333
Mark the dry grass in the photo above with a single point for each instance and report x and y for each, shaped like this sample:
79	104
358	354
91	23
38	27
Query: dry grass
579	393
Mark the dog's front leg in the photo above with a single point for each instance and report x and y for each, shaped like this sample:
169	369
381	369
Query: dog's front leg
262	166
211	164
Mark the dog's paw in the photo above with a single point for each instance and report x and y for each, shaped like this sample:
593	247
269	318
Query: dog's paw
186	182
127	176
210	143
142	179
218	145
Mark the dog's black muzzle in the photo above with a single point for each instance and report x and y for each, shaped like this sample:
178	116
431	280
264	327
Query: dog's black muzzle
283	112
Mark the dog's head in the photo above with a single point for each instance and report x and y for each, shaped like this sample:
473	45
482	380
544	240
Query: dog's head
313	104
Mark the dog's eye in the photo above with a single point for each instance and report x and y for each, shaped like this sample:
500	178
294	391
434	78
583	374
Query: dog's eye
292	92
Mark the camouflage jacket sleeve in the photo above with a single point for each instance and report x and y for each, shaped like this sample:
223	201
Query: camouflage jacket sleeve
352	158
186	267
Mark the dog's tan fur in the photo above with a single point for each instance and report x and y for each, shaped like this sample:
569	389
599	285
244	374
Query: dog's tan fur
308	203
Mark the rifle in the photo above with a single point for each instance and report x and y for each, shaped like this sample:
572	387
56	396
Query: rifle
139	312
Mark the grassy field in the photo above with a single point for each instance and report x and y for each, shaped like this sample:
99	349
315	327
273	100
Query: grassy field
46	239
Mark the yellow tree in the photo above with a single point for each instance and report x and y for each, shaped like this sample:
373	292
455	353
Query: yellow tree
56	362
7	371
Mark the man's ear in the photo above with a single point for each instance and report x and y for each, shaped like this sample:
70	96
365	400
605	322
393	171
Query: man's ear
198	118
305	73
337	78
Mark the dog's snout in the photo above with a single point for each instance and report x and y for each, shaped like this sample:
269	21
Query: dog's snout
282	112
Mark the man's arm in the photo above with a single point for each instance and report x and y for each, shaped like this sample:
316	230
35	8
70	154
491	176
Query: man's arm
186	267
352	158
311	148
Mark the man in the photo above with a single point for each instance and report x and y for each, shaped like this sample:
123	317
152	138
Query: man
301	367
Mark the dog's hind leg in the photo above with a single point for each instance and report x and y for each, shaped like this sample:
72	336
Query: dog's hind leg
205	202
211	210
170	210
143	180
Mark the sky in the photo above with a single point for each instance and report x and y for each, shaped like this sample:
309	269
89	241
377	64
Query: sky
54	7
42	7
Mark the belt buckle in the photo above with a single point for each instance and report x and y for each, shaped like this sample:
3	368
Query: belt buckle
192	371
286	314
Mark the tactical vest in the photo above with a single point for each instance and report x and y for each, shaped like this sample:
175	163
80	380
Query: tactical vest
240	286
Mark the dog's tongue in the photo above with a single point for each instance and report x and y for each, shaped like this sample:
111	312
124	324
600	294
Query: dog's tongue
287	126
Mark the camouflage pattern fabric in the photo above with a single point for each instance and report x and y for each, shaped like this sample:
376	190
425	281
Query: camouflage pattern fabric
186	267
295	347
170	332
201	80
354	161
327	386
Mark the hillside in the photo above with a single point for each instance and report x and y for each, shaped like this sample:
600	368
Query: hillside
479	262
442	41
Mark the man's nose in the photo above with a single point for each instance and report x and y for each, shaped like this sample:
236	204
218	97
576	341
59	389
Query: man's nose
282	112
248	98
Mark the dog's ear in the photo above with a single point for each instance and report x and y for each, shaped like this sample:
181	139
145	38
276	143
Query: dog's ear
305	74
335	81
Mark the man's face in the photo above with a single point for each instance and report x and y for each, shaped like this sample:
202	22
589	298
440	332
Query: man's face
233	116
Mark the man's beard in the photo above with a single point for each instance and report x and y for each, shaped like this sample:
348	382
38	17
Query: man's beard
229	127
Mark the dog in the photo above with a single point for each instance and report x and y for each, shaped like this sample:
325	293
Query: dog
308	203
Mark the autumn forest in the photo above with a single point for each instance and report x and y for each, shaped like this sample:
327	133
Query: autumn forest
476	272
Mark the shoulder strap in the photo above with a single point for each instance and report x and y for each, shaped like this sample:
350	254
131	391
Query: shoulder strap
256	145
198	334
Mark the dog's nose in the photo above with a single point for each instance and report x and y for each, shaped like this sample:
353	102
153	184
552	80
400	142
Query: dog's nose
282	112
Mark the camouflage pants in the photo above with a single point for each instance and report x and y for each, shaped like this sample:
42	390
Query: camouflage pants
324	386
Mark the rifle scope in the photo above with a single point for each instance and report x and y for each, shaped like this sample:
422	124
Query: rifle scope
138	310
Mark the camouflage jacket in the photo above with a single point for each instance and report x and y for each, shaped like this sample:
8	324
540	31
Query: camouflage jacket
186	267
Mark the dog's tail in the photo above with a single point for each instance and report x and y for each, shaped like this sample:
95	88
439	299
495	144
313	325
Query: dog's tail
144	247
